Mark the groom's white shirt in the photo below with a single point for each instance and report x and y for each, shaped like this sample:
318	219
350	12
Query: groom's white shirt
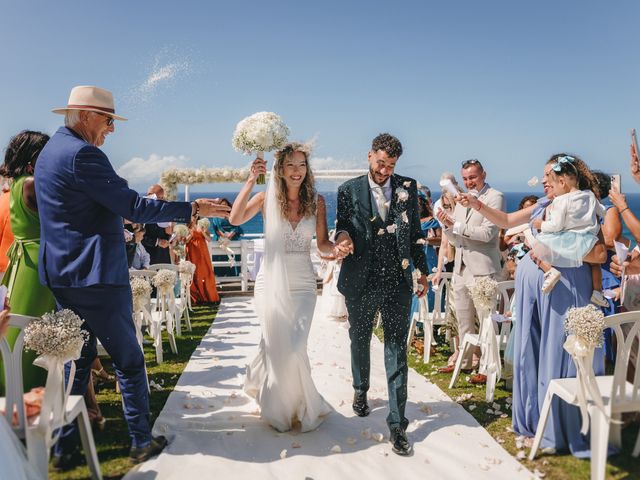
380	194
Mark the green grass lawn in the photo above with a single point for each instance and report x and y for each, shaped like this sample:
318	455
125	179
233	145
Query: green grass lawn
562	466
112	442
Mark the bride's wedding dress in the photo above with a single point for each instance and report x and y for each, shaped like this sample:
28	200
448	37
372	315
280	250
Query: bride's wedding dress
279	377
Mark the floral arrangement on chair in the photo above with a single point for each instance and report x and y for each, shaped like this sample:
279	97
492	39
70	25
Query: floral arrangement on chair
58	335
180	232
484	293
164	280
141	292
186	269
260	132
585	332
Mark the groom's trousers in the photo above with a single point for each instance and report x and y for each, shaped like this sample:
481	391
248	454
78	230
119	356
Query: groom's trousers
394	304
107	311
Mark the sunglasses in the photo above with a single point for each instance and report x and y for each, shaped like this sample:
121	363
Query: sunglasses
110	120
473	161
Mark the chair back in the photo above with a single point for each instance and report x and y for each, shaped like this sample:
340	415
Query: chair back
626	327
141	273
12	363
163	266
506	290
438	313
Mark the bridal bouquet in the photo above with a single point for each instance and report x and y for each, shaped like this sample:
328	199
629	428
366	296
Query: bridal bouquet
260	132
484	292
56	335
141	292
164	280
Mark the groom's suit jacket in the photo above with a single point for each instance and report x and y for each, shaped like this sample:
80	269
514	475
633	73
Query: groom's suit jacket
81	203
356	216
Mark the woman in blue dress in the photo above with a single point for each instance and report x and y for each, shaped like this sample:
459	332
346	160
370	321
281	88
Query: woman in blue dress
538	346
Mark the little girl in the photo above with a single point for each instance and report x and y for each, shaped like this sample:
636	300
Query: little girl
571	227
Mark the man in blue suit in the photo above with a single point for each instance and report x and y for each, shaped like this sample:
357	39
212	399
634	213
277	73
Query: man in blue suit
81	202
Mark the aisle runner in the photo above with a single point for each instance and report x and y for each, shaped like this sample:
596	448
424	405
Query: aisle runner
214	430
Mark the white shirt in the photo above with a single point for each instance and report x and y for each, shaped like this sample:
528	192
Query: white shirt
575	211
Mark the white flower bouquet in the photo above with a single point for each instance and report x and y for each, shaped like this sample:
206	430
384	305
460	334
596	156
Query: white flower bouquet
181	231
141	291
164	280
484	293
260	132
56	335
186	267
587	324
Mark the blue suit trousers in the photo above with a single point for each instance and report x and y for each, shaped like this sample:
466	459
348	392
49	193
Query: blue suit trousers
107	312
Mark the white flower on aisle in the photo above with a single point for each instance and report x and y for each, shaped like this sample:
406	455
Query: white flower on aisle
56	335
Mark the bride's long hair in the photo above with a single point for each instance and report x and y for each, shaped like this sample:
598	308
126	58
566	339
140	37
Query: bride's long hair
307	189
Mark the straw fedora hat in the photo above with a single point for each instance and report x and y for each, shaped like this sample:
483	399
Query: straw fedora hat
93	99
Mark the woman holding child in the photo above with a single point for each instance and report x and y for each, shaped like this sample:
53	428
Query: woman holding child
539	353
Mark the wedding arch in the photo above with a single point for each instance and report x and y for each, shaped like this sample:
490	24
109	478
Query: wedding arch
172	177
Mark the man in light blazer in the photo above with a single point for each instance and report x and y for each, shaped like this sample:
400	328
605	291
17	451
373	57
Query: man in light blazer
477	243
82	258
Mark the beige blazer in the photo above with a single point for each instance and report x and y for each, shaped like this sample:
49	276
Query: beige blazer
476	239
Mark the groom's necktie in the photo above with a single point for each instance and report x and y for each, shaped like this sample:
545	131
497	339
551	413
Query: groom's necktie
381	202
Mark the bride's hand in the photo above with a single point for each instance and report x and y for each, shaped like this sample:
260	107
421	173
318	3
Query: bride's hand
258	167
343	246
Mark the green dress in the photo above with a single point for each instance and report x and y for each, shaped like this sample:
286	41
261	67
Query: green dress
26	295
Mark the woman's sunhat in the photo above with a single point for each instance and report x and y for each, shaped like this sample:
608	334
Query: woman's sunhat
93	99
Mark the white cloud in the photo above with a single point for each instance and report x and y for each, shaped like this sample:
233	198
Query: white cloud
138	171
330	163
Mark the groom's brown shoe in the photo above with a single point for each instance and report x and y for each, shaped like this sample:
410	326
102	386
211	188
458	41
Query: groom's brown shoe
360	405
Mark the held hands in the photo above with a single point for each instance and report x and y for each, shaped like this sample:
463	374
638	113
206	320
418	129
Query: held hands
258	167
212	207
343	246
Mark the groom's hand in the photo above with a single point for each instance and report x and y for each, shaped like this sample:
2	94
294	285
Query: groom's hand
422	280
343	246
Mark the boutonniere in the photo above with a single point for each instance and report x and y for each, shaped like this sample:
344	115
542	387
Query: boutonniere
401	194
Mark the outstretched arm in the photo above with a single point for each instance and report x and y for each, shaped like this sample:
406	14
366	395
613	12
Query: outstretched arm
494	215
244	209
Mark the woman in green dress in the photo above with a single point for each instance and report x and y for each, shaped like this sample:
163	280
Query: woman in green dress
26	295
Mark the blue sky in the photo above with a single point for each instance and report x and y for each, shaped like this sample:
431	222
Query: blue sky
507	82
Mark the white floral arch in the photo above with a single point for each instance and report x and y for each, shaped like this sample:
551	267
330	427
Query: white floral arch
172	177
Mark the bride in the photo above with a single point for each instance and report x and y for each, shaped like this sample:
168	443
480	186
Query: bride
279	377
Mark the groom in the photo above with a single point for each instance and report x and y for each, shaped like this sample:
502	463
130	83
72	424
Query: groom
379	223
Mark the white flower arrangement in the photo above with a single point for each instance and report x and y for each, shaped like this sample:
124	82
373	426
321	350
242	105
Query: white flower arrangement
140	291
172	177
181	231
186	267
587	324
204	223
484	293
260	132
402	194
164	280
56	334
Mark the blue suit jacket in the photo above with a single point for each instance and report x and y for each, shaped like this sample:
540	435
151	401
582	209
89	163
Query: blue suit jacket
81	202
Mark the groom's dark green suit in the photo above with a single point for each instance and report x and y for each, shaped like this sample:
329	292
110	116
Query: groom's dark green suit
377	278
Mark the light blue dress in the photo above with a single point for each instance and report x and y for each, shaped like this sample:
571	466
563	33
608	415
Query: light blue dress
539	356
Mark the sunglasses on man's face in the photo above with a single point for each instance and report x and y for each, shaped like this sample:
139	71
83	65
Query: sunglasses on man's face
468	163
110	120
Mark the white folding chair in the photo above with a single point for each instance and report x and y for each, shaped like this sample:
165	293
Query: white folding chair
164	314
430	319
13	402
490	341
617	393
59	409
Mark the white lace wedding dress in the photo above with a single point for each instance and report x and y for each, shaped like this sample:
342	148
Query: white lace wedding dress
279	377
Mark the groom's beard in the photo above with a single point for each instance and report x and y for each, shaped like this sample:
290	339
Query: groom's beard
376	177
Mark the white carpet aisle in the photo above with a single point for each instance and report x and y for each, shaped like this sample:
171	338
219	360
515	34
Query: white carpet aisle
214	431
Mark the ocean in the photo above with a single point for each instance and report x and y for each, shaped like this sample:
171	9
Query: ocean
513	200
